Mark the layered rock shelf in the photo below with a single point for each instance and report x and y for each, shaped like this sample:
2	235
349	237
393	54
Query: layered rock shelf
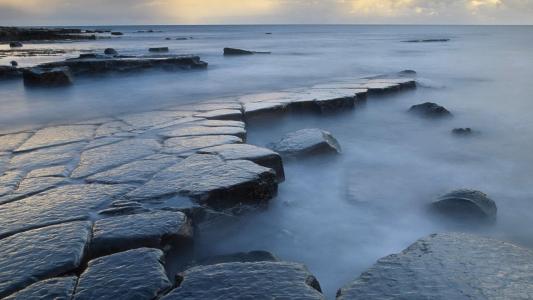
90	210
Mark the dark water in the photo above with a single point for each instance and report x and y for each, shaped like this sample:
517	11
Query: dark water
338	215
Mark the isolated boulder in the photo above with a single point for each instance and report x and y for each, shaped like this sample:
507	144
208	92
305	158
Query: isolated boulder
59	76
159	49
235	51
306	142
116	33
466	205
13	63
110	51
430	110
15	45
428	41
448	266
462	131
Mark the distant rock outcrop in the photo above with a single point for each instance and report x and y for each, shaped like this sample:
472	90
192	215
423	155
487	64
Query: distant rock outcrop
56	76
430	110
235	51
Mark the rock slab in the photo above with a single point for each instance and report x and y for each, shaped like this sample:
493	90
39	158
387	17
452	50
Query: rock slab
306	142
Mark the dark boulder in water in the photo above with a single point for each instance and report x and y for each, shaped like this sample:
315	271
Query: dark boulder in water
306	142
116	33
110	51
428	41
430	110
158	49
462	131
407	73
15	45
466	205
58	76
14	63
235	51
448	266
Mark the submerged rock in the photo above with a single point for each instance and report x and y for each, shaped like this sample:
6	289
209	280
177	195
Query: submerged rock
466	206
110	51
60	288
158	229
448	266
158	49
210	180
116	33
252	280
134	274
462	131
430	110
306	142
235	51
56	76
15	45
41	253
428	41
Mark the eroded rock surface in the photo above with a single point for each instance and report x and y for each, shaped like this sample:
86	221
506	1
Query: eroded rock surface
212	181
252	280
466	206
306	142
448	266
41	253
52	136
134	274
60	288
190	145
430	110
157	229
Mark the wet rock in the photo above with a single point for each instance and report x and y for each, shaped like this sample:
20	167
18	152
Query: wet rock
59	205
134	274
103	158
9	72
204	131
9	142
155	119
306	142
158	49
430	110
462	131
138	171
272	280
466	206
210	180
222	114
157	229
122	208
407	73
41	253
59	135
47	156
448	266
264	108
55	171
58	76
190	145
252	256
127	64
14	63
235	51
35	34
261	156
15	45
116	33
220	123
60	288
110	51
31	186
9	181
428	41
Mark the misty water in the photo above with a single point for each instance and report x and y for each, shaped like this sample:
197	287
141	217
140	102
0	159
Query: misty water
338	215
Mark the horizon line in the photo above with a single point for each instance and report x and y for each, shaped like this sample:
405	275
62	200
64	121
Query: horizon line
272	24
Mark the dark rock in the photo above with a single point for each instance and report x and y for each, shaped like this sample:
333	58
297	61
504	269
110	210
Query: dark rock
33	255
158	229
268	32
60	288
211	181
306	142
8	72
428	41
134	274
261	156
430	110
127	64
167	39
466	206
14	63
116	33
448	266
159	49
181	39
39	34
407	73
234	51
252	256
462	131
253	280
59	76
15	45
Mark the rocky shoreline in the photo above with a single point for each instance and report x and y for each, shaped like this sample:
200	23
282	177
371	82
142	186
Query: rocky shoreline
91	210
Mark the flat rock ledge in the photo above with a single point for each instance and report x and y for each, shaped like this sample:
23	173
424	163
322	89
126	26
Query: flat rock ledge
306	142
251	280
61	288
448	266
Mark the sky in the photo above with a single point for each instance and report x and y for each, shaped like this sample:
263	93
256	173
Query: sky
116	12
